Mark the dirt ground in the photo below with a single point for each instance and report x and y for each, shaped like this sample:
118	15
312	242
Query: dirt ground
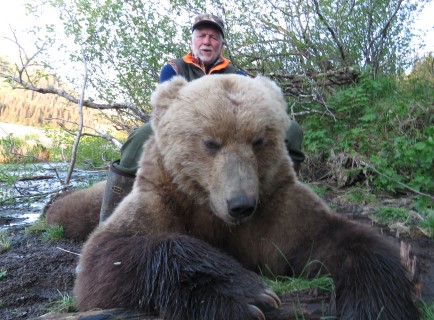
37	273
34	273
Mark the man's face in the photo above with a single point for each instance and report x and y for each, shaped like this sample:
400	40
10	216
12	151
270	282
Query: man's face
206	44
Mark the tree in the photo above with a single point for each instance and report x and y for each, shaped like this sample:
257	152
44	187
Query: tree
424	68
292	41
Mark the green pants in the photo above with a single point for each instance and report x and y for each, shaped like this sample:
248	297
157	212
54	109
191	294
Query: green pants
132	148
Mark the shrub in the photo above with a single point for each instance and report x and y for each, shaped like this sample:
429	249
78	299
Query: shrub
384	128
93	152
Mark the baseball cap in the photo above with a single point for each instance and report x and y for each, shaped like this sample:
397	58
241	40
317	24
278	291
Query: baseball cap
211	20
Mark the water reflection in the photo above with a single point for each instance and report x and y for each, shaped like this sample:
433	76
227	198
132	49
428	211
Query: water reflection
26	188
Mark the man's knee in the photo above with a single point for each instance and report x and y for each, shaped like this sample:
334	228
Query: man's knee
294	141
131	150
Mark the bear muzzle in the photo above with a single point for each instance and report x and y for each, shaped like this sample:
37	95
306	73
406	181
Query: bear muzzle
241	207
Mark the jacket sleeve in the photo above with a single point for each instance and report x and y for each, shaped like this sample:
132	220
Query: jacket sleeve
167	73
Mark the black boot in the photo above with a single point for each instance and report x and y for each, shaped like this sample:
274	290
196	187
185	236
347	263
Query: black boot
118	185
293	141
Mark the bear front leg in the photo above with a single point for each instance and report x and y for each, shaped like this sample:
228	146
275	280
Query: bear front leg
173	276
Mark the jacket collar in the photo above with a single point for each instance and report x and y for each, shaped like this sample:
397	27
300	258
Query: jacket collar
220	64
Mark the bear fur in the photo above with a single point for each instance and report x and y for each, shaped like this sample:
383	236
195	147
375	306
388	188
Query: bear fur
87	202
215	202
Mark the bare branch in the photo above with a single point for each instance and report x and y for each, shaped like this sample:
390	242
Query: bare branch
332	33
80	122
99	134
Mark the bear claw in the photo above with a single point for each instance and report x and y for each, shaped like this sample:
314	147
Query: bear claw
256	312
268	301
274	296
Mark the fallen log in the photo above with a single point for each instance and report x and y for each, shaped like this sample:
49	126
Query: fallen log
300	305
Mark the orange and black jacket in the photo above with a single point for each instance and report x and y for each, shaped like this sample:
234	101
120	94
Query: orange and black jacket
191	68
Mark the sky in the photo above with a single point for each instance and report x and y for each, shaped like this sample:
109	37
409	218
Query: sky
12	15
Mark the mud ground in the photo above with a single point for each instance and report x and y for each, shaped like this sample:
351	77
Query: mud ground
37	273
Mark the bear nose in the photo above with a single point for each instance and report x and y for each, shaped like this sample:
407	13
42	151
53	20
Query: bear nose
241	206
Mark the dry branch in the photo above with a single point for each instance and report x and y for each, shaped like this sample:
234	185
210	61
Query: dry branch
34	178
297	84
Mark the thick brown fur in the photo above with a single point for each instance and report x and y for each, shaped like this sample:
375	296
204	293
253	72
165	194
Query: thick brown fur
77	211
215	198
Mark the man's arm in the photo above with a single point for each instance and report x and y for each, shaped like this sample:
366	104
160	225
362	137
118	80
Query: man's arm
167	73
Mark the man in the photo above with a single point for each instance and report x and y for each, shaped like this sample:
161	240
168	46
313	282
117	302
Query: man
206	43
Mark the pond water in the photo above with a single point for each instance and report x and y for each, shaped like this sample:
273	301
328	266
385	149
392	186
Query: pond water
26	189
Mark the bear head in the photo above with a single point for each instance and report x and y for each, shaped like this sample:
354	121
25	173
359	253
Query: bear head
221	138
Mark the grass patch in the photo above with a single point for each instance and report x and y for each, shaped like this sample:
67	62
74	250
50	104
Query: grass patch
5	243
320	189
36	227
53	233
3	273
65	303
426	310
283	284
360	196
392	214
48	232
428	224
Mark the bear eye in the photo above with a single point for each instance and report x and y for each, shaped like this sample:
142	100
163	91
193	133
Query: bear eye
258	143
211	145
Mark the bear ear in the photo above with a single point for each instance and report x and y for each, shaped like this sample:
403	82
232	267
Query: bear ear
162	97
273	89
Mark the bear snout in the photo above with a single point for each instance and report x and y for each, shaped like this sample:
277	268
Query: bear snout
241	207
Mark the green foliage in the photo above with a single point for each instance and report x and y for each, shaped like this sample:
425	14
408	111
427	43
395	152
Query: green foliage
300	36
22	150
66	303
386	123
428	223
5	243
47	232
360	196
424	69
53	233
93	152
285	284
37	227
392	214
9	149
319	189
3	273
126	42
9	173
427	310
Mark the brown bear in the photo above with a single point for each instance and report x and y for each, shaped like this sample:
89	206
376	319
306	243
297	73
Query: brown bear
85	202
215	202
